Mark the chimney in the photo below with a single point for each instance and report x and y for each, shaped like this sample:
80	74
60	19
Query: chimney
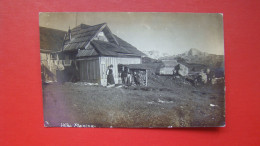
69	32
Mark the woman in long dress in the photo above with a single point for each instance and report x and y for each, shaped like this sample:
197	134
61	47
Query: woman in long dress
110	76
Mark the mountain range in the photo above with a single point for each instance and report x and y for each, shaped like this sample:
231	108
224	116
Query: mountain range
195	56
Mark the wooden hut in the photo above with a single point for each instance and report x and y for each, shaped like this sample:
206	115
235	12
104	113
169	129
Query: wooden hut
94	48
85	52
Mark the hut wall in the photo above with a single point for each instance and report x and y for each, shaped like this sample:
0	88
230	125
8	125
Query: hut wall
89	70
106	61
48	67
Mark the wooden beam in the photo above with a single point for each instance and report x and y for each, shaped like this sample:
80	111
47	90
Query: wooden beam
146	78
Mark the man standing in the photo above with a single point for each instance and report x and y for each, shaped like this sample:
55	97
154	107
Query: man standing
129	78
137	78
124	75
176	71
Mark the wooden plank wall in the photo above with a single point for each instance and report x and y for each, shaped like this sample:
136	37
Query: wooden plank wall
48	67
89	70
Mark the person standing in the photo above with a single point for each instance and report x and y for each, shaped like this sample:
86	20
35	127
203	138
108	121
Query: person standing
177	69
124	75
110	76
137	78
209	76
129	78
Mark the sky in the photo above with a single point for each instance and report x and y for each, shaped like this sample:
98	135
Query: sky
167	33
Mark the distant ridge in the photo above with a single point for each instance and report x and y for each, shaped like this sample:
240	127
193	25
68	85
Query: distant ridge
195	56
51	39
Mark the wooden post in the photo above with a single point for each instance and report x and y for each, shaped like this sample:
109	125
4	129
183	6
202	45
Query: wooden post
146	81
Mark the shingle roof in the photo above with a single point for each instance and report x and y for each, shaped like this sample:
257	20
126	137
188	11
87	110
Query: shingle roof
87	52
81	36
123	44
51	39
110	49
136	66
169	63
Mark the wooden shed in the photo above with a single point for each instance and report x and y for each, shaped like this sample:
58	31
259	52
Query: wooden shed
141	69
97	48
85	52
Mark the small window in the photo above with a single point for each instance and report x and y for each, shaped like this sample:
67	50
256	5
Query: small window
101	36
53	56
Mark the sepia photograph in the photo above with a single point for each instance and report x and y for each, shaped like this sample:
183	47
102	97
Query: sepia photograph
132	69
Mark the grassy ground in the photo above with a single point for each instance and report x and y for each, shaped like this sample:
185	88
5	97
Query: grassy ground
166	102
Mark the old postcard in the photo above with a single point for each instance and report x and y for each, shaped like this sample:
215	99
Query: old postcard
132	69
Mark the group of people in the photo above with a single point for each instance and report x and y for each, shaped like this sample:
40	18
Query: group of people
126	76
